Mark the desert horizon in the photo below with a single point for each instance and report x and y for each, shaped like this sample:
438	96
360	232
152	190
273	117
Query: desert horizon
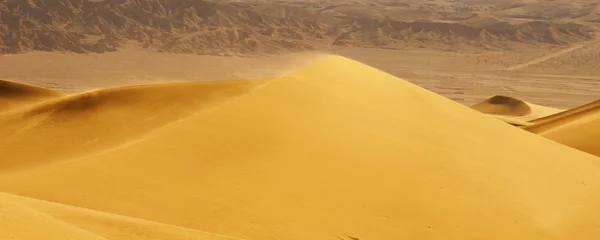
284	119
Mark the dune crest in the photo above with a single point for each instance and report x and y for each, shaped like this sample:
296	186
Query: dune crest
578	127
104	119
17	95
333	150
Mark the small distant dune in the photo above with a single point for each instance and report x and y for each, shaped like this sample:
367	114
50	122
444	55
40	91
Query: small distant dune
503	105
514	111
16	95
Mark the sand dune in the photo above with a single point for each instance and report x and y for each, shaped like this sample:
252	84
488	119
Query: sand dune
17	95
333	150
514	111
565	114
122	114
503	105
21	222
578	127
28	218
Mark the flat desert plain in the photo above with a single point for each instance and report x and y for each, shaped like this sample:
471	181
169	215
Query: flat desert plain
319	119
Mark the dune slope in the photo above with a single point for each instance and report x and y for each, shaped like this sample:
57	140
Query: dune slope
328	153
20	222
28	218
105	119
578	128
16	95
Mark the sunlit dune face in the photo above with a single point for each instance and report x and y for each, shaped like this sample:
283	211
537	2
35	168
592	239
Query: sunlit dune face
334	149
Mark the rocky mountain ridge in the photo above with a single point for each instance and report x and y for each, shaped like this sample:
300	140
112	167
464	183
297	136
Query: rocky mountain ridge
226	28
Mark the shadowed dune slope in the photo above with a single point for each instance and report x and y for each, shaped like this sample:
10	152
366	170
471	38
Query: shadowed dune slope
90	122
578	128
334	150
563	116
28	218
14	95
512	120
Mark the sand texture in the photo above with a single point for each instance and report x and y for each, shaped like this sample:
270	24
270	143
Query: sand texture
294	120
320	153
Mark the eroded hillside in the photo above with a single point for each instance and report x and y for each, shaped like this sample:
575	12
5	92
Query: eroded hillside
232	27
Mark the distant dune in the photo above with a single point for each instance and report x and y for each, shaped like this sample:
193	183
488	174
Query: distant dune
16	95
503	105
514	111
333	150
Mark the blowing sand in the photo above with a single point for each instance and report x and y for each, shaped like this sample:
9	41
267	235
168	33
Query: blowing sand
333	150
17	95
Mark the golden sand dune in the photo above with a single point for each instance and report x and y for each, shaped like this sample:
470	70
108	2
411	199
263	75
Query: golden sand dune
562	117
28	218
16	95
334	150
94	121
578	127
20	222
513	111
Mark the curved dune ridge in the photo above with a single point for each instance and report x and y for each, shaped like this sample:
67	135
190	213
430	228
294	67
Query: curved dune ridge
578	127
105	119
17	95
513	110
333	150
35	219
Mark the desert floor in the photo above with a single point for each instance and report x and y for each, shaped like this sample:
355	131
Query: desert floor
561	77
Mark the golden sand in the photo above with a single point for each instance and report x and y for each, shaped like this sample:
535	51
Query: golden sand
334	150
17	95
578	127
87	123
